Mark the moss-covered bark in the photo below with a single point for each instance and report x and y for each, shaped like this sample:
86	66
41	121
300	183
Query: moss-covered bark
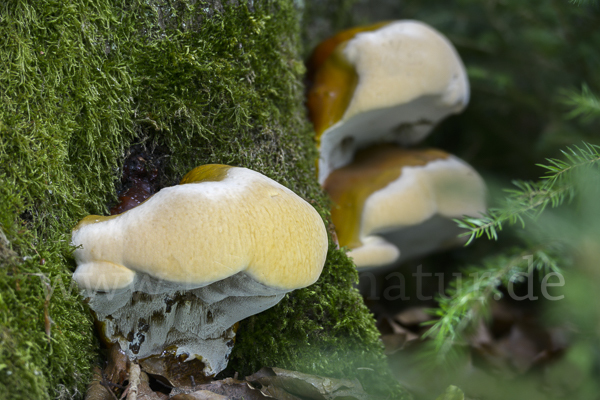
194	83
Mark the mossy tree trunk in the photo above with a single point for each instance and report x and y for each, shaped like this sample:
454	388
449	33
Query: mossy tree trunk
192	83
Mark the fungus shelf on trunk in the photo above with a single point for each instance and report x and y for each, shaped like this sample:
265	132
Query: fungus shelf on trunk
172	276
388	82
392	202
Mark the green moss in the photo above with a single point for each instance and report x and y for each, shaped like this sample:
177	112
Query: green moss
61	132
46	342
324	329
195	83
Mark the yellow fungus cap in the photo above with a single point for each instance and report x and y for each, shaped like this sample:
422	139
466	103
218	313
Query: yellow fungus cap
219	222
388	82
388	189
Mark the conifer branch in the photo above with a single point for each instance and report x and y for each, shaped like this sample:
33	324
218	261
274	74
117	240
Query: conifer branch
584	105
467	299
530	199
584	2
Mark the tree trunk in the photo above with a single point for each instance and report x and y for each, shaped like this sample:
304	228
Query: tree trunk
180	83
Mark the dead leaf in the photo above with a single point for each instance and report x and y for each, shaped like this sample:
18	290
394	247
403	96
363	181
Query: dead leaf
277	393
413	316
308	386
144	391
516	341
396	342
118	365
96	390
519	348
481	336
178	372
232	389
394	336
200	395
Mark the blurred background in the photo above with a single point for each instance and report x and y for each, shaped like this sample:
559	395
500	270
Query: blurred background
534	70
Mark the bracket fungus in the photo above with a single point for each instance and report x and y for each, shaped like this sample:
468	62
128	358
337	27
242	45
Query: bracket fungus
173	275
392	202
389	82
